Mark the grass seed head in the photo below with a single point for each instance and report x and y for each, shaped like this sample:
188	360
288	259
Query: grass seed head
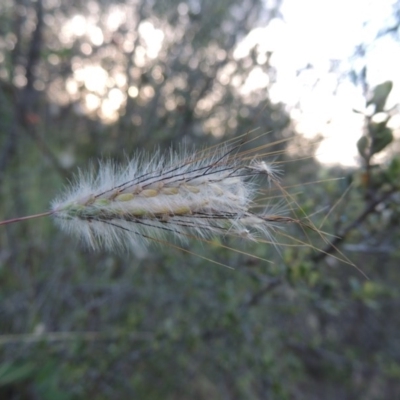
180	194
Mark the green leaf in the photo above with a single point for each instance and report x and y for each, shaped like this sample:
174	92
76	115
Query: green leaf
380	95
392	173
381	139
362	146
12	373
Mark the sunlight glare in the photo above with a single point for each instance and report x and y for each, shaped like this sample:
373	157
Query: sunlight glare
257	79
310	38
152	37
94	78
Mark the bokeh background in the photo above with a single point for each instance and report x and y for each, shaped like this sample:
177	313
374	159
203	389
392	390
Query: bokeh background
82	80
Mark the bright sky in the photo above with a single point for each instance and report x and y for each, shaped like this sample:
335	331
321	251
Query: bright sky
316	37
316	32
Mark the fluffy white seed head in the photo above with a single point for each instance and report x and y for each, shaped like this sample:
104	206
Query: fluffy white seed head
176	195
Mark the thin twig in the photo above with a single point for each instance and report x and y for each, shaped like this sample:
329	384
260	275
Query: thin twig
339	237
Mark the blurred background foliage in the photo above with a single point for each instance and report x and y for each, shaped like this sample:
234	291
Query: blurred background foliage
82	80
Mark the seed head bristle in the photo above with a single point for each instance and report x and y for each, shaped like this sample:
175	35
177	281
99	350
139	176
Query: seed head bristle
187	194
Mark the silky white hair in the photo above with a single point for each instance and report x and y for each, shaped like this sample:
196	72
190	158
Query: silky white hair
174	195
